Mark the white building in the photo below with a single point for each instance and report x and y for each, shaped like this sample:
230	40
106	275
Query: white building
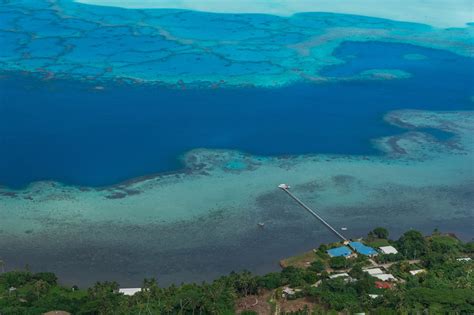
345	276
339	275
380	274
374	271
388	250
464	259
415	272
385	277
287	291
129	291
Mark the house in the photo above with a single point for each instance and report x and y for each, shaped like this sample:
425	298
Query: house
374	296
374	271
342	251
380	274
344	275
385	277
339	275
287	291
388	250
129	291
383	285
363	249
464	259
415	272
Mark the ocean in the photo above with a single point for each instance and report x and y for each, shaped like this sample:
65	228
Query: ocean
68	131
135	144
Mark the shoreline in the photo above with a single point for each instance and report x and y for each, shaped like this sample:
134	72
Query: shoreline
332	277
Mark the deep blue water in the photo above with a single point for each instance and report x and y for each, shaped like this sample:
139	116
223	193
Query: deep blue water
67	131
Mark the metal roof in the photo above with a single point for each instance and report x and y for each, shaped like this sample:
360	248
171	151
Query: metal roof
388	249
339	251
363	249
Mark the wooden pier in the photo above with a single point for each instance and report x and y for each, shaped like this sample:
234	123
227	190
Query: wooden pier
286	188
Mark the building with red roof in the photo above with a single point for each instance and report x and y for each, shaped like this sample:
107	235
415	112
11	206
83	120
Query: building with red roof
383	285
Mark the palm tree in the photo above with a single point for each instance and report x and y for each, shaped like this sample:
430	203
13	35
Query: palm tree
40	287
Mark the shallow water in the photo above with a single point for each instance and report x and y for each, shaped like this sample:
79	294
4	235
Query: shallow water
442	13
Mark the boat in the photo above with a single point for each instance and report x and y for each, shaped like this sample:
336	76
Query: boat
344	228
261	224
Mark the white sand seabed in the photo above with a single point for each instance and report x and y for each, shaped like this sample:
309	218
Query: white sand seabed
438	13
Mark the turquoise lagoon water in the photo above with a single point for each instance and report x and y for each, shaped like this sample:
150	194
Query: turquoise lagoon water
93	98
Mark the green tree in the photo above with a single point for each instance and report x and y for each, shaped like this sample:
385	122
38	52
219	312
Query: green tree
40	287
271	280
379	232
16	278
48	277
469	247
293	276
103	298
444	244
338	262
317	266
244	283
412	244
323	248
357	272
364	284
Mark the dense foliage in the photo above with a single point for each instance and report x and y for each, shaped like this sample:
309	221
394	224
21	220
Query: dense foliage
446	286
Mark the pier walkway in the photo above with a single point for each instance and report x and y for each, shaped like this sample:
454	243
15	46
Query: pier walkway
286	188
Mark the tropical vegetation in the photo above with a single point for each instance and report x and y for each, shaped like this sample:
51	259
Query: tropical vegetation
446	285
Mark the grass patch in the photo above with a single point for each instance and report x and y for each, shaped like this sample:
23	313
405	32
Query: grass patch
300	261
376	243
444	239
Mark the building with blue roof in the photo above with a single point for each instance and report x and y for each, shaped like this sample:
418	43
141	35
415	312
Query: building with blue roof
363	249
342	251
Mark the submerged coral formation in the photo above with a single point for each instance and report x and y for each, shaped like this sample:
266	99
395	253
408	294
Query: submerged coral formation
63	39
218	199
